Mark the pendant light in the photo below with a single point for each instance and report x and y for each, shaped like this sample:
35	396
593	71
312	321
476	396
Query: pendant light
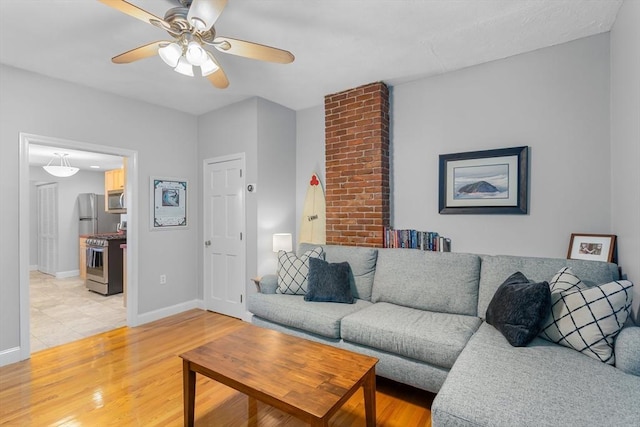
63	170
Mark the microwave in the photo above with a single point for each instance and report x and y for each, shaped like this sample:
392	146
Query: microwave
116	202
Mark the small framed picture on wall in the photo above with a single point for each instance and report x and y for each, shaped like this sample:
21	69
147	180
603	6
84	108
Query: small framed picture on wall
592	247
168	203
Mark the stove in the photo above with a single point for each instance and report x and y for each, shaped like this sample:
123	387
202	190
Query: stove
104	268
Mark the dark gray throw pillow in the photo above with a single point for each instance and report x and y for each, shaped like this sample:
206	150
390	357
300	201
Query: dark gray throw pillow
329	282
519	308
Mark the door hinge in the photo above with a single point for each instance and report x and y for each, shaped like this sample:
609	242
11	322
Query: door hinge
240	298
240	173
241	235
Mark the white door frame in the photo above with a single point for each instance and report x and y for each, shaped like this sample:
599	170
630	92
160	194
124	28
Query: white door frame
243	243
132	191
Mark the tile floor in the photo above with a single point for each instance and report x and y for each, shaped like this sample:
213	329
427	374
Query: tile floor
63	310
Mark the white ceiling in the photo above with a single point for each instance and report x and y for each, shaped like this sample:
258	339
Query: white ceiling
338	44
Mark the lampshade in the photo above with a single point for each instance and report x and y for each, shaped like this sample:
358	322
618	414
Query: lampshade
209	66
170	54
282	242
195	54
63	170
184	67
202	14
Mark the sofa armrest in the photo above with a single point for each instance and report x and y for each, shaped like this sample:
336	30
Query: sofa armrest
268	284
627	350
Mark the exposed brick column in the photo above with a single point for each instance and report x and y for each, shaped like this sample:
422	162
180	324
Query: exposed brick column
357	165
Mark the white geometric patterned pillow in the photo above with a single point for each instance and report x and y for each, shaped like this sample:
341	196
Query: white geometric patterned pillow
584	318
293	271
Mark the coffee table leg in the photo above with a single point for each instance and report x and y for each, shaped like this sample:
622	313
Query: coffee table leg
369	387
189	393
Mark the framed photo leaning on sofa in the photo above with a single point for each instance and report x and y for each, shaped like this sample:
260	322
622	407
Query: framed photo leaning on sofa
592	247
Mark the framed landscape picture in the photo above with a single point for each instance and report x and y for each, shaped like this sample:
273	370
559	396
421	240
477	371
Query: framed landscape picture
484	182
592	247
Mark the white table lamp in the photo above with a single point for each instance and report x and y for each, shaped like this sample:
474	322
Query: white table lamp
282	242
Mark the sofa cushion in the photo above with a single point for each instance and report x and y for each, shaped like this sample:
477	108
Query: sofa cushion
543	384
495	268
293	270
435	281
362	261
435	338
627	350
321	318
587	319
519	309
329	282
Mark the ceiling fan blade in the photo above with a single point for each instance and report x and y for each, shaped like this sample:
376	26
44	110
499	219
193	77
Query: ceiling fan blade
139	53
252	50
219	78
131	10
204	13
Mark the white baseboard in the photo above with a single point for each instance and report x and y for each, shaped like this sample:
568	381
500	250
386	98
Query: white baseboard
65	274
33	267
10	355
169	311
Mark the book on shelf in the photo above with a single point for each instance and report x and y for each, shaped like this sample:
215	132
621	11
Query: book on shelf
414	239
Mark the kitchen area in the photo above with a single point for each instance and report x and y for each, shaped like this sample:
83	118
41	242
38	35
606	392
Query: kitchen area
78	243
101	250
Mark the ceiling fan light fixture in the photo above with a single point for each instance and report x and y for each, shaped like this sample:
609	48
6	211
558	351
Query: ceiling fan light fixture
63	170
195	54
170	54
209	66
184	67
198	23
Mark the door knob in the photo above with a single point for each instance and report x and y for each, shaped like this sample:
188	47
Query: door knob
207	243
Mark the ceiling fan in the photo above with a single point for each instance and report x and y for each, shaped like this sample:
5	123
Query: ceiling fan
191	26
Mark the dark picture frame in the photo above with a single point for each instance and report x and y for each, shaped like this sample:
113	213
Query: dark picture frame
485	182
592	247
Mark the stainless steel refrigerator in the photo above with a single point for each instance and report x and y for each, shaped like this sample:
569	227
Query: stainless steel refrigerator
92	217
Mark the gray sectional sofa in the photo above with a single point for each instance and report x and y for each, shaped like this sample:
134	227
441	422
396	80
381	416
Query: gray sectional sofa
422	315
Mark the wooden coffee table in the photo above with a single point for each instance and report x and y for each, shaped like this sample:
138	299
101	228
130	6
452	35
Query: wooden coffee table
306	379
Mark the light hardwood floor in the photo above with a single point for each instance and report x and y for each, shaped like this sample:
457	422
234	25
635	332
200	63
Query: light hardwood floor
133	377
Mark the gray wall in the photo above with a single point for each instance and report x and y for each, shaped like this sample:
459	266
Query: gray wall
559	101
68	190
166	142
554	100
276	179
625	141
265	133
231	130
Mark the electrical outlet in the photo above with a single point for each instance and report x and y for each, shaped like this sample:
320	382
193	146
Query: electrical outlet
163	279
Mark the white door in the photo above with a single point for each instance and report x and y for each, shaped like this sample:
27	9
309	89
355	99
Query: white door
48	228
224	219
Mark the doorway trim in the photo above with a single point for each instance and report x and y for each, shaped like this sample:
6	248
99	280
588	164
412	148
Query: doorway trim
132	191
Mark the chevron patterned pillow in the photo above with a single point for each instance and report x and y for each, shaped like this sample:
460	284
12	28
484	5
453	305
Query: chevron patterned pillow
293	271
584	318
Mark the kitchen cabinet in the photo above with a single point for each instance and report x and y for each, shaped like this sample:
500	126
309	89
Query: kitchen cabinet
83	257
113	180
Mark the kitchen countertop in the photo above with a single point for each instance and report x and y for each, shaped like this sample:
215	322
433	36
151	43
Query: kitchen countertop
84	236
